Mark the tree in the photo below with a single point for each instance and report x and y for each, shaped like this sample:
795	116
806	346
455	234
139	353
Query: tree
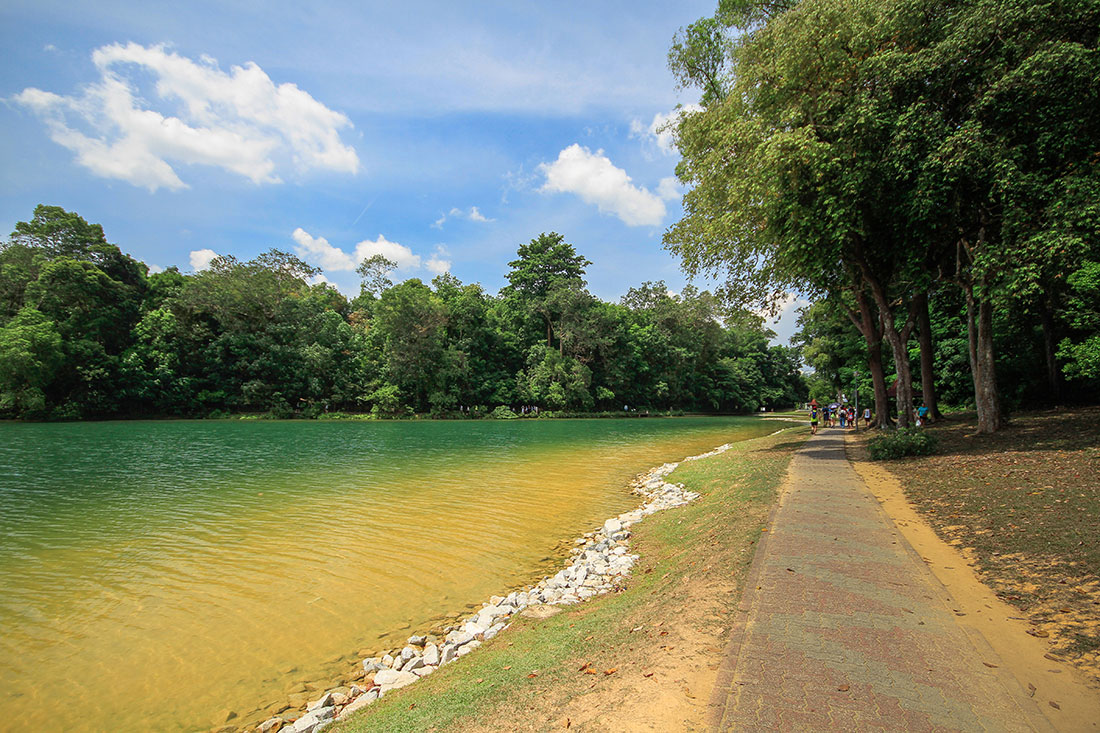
880	147
30	353
545	279
412	321
375	271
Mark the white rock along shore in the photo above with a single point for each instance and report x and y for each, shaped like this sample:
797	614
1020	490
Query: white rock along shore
599	564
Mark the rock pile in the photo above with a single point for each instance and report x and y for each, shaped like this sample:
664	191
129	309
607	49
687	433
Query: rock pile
599	563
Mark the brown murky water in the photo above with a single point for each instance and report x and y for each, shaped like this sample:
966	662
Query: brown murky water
157	573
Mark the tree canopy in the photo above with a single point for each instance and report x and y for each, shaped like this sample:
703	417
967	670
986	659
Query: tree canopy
882	155
85	332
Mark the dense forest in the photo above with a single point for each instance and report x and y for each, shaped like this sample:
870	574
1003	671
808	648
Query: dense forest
926	171
86	332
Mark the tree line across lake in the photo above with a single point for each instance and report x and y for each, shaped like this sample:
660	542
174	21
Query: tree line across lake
86	332
926	171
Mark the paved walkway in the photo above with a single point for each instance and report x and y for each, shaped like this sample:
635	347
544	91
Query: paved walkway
844	628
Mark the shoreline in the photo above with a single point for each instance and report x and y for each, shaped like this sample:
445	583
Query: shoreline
599	562
341	416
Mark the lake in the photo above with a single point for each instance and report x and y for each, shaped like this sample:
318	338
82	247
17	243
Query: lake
156	573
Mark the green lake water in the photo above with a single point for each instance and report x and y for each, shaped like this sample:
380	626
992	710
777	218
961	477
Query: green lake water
156	574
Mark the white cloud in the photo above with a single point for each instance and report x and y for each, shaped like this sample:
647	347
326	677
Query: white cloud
594	178
154	269
661	130
436	264
319	252
240	120
669	188
201	258
475	215
472	214
398	253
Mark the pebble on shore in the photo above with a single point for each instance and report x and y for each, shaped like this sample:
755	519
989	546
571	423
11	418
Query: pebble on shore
600	563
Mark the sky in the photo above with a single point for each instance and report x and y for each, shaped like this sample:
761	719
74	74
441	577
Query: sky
441	134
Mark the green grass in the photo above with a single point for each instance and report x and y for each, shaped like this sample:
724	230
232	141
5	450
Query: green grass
712	537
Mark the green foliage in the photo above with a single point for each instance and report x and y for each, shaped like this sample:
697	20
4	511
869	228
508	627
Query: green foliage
1081	355
30	354
85	333
375	272
386	401
503	412
901	443
899	149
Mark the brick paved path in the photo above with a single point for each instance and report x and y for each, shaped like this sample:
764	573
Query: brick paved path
844	628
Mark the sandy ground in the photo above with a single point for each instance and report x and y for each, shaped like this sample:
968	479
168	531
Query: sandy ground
662	682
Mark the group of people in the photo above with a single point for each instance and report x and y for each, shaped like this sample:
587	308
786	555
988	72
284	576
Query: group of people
845	415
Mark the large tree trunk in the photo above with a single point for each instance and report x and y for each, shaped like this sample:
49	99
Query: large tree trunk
878	376
927	374
899	343
1050	344
867	323
980	331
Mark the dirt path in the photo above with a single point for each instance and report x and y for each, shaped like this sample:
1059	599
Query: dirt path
846	628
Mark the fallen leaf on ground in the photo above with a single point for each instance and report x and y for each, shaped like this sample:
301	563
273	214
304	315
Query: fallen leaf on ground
991	666
1054	705
480	680
590	671
1038	632
508	667
533	674
613	670
584	666
844	688
647	674
637	628
688	693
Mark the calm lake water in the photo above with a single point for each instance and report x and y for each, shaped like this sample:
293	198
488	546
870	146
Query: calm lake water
154	574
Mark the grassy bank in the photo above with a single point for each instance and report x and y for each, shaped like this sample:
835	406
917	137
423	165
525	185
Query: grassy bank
643	654
1024	504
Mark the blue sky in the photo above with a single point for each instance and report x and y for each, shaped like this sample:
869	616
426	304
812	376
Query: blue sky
441	134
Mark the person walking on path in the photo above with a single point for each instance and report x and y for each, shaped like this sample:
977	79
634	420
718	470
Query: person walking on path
843	627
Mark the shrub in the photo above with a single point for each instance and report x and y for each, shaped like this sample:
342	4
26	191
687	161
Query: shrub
900	443
503	412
